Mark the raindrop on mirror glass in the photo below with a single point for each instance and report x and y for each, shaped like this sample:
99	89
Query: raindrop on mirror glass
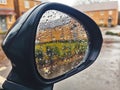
61	44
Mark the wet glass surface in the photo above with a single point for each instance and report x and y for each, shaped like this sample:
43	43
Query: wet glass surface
61	44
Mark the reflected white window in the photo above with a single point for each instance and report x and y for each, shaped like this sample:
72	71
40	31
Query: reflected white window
101	21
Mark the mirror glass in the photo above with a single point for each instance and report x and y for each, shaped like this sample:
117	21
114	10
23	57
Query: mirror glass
61	44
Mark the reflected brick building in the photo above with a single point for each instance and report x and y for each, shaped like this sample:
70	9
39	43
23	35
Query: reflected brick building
69	30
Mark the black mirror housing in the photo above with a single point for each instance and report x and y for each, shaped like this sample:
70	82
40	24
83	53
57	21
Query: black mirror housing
20	42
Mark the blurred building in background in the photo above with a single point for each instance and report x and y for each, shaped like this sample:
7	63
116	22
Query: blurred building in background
21	6
7	14
81	2
104	13
10	10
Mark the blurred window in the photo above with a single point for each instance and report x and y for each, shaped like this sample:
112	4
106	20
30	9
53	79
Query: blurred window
101	21
26	4
3	24
110	12
3	1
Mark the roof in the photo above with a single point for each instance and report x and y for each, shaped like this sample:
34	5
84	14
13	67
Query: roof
98	6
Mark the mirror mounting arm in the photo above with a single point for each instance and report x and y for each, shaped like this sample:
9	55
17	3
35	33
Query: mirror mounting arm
8	85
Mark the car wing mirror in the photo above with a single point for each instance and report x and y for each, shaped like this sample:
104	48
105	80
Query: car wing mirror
49	43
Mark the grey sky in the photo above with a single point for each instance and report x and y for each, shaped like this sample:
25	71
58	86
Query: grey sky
74	2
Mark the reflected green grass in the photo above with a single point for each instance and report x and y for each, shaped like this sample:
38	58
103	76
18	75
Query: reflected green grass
60	50
55	58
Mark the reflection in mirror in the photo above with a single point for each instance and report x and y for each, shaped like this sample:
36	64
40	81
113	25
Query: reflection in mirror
61	44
